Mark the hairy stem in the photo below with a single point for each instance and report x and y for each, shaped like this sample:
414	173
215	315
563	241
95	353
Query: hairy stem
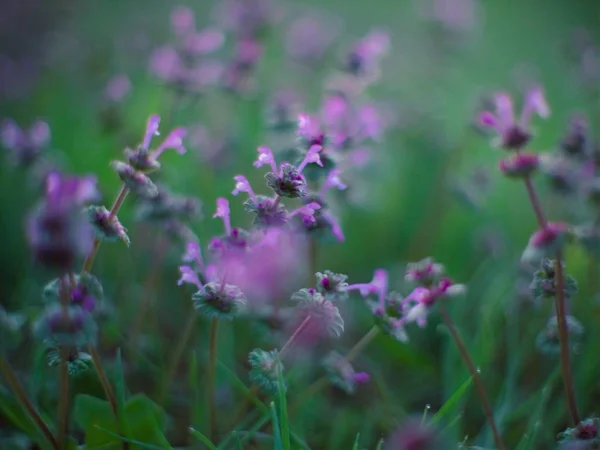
89	260
485	402
106	386
212	362
178	354
15	385
563	332
294	336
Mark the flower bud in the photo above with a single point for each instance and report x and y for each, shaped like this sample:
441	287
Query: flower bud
72	327
324	315
291	183
136	181
520	165
265	368
107	227
341	374
221	301
332	285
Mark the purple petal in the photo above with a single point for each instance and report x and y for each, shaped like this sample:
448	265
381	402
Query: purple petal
151	130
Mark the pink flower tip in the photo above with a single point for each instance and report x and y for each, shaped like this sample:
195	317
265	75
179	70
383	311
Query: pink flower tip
222	208
361	377
151	130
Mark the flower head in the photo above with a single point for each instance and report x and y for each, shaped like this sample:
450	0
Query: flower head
546	242
332	285
72	327
188	275
193	254
106	225
325	316
243	185
219	300
25	146
265	369
521	165
265	156
85	293
268	212
289	182
514	133
341	374
223	213
117	88
424	272
138	182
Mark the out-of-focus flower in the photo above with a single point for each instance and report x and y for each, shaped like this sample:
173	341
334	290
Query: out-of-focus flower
546	242
25	146
521	165
117	88
548	340
72	327
332	285
458	16
325	317
246	18
584	436
86	292
415	434
57	230
341	374
309	38
425	272
515	133
364	57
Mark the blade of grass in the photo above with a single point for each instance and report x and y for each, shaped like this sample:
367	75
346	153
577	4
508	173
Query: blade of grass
278	445
355	446
130	441
266	417
239	384
206	441
285	423
451	402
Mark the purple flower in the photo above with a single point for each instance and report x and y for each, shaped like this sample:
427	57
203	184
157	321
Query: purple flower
378	285
117	88
70	191
265	157
514	134
312	156
309	38
204	42
333	180
173	141
166	64
182	20
193	254
364	56
223	213
243	185
520	165
188	275
306	211
361	377
151	130
25	145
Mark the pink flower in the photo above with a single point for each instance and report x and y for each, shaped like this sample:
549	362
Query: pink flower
336	229
173	141
223	212
165	63
307	211
333	180
193	253
312	156
243	185
151	130
182	20
188	275
117	87
513	133
204	42
265	157
378	285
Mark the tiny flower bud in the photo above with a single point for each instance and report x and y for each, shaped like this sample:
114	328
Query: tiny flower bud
332	285
289	183
520	165
107	227
546	242
136	181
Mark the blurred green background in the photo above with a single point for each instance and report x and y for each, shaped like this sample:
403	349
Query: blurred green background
416	200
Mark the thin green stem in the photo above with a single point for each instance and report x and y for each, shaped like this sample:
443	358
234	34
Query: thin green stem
178	354
89	260
361	344
15	385
212	363
485	402
563	334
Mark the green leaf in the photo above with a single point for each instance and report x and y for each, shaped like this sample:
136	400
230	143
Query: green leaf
276	431
146	421
131	441
379	445
92	413
450	404
285	423
356	441
206	441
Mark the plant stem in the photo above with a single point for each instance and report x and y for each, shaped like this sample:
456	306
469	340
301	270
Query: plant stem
89	260
361	344
14	384
63	400
563	334
106	386
212	362
178	354
150	287
294	336
313	255
485	403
